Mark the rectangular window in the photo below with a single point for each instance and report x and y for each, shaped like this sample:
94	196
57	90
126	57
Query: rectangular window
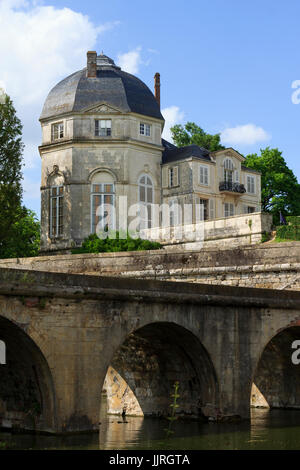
57	131
103	127
175	212
250	209
250	184
228	209
204	172
202	210
173	177
56	211
145	129
102	206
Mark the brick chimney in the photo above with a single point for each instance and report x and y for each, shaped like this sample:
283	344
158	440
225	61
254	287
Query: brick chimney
157	87
91	64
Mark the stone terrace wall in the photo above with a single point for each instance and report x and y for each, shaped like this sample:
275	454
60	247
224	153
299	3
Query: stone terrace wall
268	265
245	229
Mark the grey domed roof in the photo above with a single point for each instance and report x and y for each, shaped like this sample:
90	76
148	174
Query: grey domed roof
111	86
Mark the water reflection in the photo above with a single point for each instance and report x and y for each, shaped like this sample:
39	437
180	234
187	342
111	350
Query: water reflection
275	429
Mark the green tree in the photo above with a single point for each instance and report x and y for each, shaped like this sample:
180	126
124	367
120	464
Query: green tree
24	237
190	133
19	227
11	149
280	189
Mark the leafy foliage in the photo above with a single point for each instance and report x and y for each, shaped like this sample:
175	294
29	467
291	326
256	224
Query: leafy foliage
190	133
19	227
113	243
24	237
280	189
174	405
290	231
11	149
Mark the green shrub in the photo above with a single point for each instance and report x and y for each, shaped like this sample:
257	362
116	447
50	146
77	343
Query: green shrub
113	243
288	232
293	219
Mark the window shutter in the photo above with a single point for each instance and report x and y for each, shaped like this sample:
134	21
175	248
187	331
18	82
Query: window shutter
164	177
169	177
201	174
175	176
206	175
237	176
211	208
199	210
225	209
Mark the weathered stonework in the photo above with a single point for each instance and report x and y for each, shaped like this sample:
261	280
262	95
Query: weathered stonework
217	339
127	157
268	265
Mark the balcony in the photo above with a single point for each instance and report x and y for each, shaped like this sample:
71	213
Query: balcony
228	186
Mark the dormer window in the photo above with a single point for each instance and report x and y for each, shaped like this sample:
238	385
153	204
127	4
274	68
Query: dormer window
57	131
145	129
102	127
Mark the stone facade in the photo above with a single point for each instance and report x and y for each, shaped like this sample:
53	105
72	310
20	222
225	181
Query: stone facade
102	146
206	181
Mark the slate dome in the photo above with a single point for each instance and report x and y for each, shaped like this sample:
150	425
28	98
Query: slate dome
111	86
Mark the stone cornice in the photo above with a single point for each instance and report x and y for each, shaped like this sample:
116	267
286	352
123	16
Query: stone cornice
107	142
90	112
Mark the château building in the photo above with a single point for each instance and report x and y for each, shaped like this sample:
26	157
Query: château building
102	145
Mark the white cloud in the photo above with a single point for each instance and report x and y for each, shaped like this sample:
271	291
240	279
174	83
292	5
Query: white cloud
246	134
130	61
172	116
39	44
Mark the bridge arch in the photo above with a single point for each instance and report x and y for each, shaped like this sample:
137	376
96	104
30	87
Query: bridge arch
27	399
276	376
150	360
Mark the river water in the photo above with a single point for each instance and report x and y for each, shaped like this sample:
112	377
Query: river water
275	429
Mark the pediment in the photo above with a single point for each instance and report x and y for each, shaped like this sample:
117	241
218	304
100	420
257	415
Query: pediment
229	152
102	108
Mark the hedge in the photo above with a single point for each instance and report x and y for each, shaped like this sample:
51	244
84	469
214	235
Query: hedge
288	232
113	243
293	219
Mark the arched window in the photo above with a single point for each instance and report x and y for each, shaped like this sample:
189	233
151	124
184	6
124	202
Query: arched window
2	352
56	226
228	170
146	199
102	202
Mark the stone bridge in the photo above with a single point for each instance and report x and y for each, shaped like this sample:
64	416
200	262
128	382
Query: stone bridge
62	332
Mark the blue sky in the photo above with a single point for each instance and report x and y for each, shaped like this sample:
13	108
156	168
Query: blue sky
226	65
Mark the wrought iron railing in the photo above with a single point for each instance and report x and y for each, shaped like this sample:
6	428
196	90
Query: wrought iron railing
233	187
